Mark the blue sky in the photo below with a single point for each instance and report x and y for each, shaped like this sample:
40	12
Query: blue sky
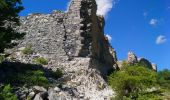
140	26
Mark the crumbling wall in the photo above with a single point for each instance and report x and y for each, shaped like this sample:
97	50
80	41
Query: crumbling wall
62	36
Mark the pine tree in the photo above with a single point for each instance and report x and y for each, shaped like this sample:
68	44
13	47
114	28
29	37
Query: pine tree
9	19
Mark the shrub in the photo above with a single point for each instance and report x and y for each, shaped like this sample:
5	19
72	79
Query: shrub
6	93
2	58
23	75
132	81
27	50
41	61
163	79
57	74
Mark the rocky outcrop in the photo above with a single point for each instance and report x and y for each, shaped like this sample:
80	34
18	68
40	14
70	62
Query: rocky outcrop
147	63
73	41
132	59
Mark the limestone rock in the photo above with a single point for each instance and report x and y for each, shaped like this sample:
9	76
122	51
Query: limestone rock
132	59
154	66
39	89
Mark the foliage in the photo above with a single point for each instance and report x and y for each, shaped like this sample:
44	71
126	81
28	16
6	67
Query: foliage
23	74
8	20
31	78
163	79
20	74
132	81
27	50
145	63
41	61
57	74
2	58
6	93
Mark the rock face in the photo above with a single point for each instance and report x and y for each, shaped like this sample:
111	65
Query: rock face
147	63
132	59
74	41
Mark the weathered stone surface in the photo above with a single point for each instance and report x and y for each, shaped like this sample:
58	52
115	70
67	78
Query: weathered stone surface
61	36
132	59
147	64
39	89
75	42
154	66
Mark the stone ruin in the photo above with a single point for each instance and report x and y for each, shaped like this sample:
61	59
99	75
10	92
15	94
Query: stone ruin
75	42
63	36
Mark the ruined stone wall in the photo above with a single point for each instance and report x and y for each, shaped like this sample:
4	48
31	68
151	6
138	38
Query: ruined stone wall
63	36
73	41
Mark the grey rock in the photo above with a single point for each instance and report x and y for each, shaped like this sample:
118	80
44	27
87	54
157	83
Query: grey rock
39	89
146	63
132	59
41	96
57	89
31	94
38	97
154	66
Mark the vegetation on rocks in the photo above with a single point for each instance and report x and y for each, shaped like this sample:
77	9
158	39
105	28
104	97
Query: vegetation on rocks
164	79
6	93
19	74
57	74
27	50
2	58
41	61
137	82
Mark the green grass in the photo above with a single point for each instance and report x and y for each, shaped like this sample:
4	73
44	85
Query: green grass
41	61
6	93
27	50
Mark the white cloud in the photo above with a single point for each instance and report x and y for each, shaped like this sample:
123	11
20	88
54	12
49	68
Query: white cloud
161	39
104	6
153	22
109	37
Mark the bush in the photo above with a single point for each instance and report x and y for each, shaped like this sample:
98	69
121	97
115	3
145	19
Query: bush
163	79
57	74
27	50
6	93
132	81
23	75
29	78
41	61
2	58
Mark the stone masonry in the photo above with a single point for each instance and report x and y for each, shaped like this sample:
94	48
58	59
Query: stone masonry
61	37
75	42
